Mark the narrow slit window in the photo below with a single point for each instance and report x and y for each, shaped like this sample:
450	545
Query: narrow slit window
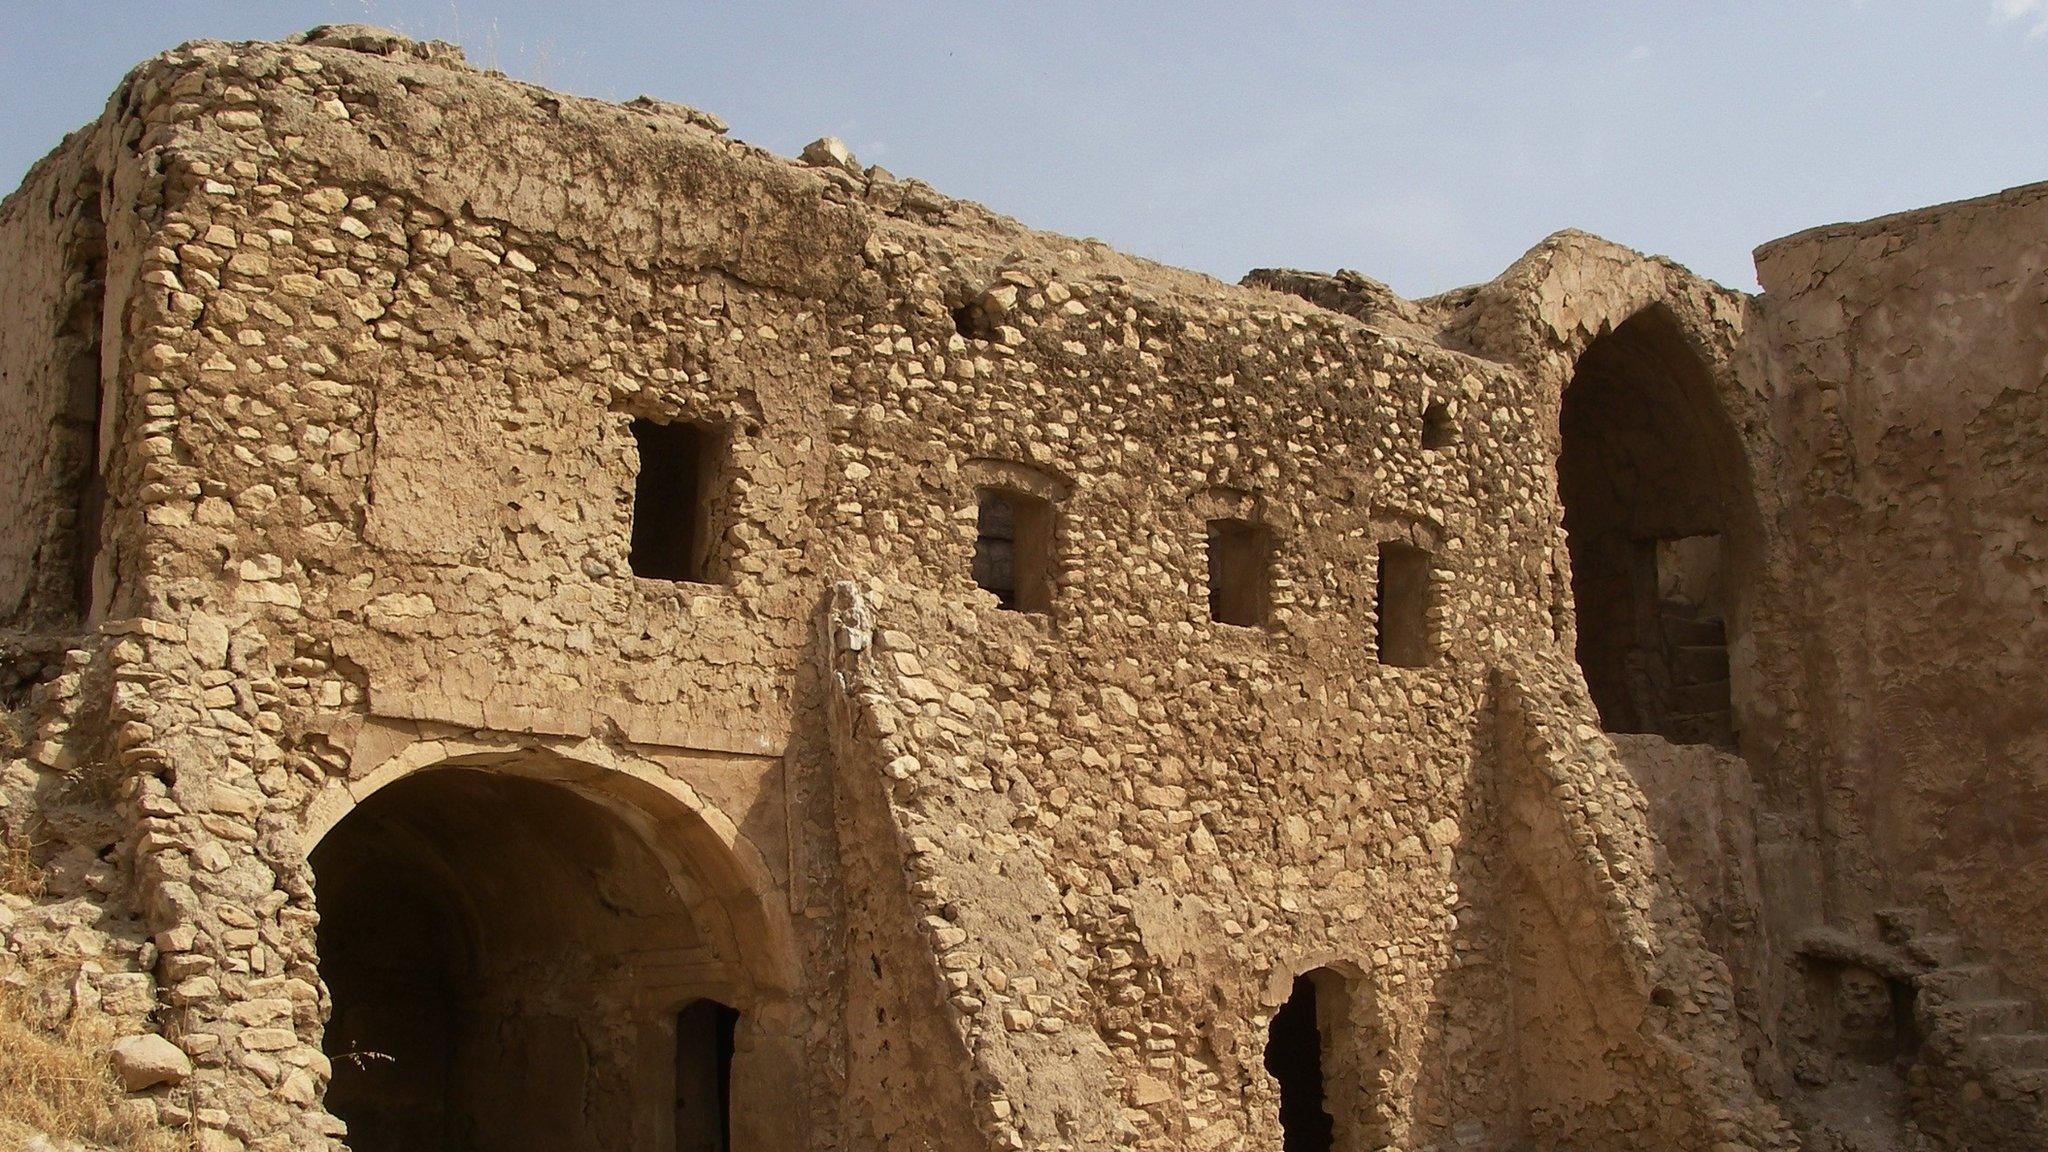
673	536
85	386
704	1050
1403	596
1240	572
1013	549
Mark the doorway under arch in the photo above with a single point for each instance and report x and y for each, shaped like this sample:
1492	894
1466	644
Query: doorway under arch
520	963
1327	1052
1650	473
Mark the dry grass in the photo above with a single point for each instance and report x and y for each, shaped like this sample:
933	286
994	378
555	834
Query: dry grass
63	1086
20	875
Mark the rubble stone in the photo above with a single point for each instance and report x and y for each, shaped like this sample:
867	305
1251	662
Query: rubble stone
521	612
148	1060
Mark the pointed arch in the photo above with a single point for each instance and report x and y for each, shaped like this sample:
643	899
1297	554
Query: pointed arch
1655	493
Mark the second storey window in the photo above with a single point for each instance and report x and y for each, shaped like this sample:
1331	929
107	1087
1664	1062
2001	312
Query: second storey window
673	513
1240	572
1402	598
1013	548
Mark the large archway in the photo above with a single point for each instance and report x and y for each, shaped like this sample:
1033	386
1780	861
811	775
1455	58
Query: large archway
1651	478
519	963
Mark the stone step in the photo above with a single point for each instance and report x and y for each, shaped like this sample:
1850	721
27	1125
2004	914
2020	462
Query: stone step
1963	982
2030	1079
1705	696
2016	1049
1701	728
1686	631
1987	1017
1895	926
1941	949
1699	663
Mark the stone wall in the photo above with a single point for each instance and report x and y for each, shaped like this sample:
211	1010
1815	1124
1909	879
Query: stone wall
1907	363
394	333
50	360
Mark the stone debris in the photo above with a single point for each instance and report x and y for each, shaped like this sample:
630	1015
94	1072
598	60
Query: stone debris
831	152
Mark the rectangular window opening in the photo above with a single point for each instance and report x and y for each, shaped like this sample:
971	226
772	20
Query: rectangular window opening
1013	549
1402	604
674	513
1240	572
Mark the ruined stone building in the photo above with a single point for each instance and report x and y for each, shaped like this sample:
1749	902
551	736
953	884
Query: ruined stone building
533	625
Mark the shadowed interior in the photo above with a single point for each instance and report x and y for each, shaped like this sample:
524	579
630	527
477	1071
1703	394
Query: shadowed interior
1295	1057
1647	475
507	960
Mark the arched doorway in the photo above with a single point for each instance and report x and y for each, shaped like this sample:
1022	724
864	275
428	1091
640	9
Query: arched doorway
1650	474
1295	1057
520	963
1326	1050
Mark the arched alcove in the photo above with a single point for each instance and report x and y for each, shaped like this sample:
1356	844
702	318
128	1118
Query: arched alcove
522	963
1650	473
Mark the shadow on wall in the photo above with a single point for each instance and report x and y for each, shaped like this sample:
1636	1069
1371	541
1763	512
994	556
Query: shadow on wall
1532	1038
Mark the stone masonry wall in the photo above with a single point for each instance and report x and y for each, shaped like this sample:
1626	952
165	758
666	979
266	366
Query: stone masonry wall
1909	362
381	327
50	366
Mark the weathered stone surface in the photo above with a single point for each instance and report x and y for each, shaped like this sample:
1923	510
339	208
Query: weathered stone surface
149	1060
524	610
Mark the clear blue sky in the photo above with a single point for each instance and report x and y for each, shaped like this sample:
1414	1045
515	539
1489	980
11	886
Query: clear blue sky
1425	143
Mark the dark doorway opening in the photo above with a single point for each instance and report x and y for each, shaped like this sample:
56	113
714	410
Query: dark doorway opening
1294	1057
1650	475
704	1036
471	930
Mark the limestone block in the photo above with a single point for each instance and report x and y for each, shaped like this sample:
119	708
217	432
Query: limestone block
148	1060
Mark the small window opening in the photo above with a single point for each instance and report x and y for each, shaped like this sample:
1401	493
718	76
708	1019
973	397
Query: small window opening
973	321
1294	1057
673	537
1013	549
1437	429
1403	605
704	1048
1240	572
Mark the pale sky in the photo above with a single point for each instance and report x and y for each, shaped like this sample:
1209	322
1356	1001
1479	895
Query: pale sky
1427	144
